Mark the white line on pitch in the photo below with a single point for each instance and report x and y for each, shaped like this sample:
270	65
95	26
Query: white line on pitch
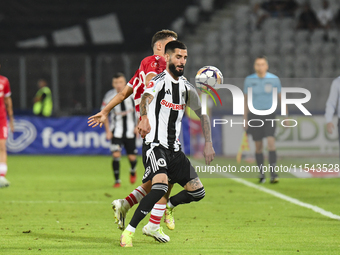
282	196
56	202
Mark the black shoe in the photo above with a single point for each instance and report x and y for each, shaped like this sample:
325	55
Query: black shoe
262	180
274	180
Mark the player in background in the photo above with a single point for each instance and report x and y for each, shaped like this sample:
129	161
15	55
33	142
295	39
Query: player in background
262	83
5	105
149	68
120	128
162	108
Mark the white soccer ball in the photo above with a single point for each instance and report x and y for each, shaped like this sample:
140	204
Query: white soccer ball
208	75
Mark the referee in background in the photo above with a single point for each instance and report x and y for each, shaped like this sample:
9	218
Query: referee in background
332	104
262	83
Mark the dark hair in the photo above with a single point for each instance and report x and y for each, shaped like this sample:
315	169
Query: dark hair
171	46
161	35
262	57
118	75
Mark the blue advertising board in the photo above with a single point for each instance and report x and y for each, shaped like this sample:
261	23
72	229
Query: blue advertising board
68	135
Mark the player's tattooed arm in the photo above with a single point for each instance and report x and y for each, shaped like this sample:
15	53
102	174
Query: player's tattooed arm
205	123
146	100
144	126
209	152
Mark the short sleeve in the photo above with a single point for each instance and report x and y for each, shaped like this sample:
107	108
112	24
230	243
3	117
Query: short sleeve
7	89
153	87
194	101
245	86
152	65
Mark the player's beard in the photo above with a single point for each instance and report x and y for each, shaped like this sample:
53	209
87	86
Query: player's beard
173	69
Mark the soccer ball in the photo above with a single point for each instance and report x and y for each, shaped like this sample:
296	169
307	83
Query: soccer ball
208	75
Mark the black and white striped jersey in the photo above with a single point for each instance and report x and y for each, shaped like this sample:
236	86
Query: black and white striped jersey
122	118
167	108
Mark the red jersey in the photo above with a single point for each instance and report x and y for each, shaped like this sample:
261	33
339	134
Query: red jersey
5	91
152	64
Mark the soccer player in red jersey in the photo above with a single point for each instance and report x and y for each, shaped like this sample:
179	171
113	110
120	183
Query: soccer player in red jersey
149	68
5	104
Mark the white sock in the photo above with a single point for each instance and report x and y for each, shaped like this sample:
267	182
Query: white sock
130	228
134	197
156	216
3	169
170	205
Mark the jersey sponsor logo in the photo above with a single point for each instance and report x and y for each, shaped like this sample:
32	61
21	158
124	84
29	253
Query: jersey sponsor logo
168	92
175	107
150	85
25	134
161	162
1	86
154	64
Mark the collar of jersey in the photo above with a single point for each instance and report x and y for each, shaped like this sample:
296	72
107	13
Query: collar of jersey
262	77
172	79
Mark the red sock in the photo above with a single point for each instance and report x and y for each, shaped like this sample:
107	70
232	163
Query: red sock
156	215
135	196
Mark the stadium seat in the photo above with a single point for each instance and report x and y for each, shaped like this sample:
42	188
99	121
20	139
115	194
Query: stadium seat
318	35
286	36
256	49
270	23
270	48
302	36
257	37
178	25
286	48
241	50
207	5
226	25
192	14
286	24
302	48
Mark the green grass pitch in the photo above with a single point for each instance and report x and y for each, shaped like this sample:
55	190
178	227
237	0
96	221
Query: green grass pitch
65	205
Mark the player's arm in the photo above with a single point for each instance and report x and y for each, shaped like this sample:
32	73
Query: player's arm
144	125
148	77
99	118
195	104
9	108
208	152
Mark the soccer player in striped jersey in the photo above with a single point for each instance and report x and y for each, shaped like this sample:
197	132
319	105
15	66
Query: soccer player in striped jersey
162	108
121	129
149	68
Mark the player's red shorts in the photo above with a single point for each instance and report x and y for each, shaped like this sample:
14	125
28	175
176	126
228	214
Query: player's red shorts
3	129
195	127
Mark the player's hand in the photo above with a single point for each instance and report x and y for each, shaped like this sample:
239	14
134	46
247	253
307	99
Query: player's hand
209	153
109	136
144	127
330	127
97	119
11	125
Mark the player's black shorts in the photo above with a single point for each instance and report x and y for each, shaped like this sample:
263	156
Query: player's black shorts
161	160
128	143
268	128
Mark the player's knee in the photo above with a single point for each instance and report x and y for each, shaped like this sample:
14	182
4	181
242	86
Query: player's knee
160	188
198	194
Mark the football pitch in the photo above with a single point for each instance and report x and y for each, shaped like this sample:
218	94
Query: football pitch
62	205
